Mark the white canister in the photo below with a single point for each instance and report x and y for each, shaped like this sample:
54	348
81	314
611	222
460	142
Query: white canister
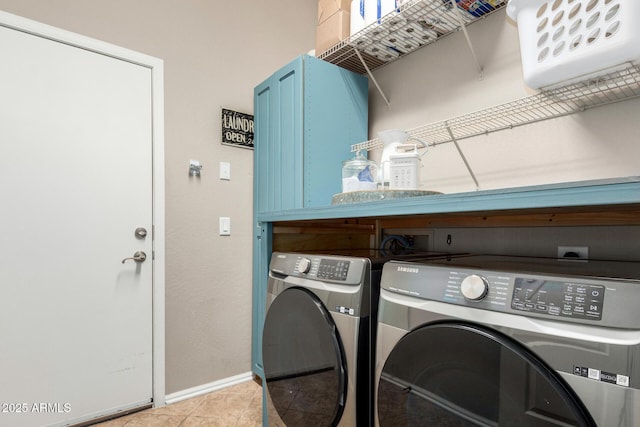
357	16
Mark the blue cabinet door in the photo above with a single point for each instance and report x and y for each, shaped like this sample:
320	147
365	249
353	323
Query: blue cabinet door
278	140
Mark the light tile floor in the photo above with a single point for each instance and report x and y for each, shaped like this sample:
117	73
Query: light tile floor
236	406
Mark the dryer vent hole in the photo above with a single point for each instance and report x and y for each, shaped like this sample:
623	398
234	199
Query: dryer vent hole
564	26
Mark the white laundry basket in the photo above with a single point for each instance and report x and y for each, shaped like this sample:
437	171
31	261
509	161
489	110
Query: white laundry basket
563	41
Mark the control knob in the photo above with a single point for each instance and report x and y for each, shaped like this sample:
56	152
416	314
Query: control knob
474	287
304	265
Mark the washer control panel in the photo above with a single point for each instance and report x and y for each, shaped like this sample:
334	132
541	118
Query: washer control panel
533	294
598	300
558	298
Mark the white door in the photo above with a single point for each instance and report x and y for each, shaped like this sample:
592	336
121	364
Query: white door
75	182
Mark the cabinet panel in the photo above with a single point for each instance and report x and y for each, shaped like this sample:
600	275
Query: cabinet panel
335	112
262	100
286	147
261	254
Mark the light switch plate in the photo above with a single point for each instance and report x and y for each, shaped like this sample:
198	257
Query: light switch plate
225	226
225	170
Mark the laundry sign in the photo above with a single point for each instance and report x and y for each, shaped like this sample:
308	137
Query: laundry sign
237	128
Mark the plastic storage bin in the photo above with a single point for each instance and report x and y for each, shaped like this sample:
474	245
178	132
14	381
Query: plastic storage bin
564	41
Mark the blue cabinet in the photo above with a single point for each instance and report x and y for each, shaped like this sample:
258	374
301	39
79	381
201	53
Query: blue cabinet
307	116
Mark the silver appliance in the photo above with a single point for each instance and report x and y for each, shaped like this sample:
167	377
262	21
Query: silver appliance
508	341
319	335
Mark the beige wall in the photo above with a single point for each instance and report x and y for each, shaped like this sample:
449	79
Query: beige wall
214	53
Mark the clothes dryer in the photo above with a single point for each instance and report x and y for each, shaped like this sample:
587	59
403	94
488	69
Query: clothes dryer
319	336
508	341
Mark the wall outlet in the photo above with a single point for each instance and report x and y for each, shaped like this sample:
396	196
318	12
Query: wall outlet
573	252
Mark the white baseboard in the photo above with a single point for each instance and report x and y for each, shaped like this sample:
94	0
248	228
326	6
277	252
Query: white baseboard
207	388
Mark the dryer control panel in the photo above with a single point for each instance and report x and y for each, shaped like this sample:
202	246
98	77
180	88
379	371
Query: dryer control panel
333	269
325	268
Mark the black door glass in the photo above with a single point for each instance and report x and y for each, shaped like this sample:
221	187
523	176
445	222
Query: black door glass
454	374
303	360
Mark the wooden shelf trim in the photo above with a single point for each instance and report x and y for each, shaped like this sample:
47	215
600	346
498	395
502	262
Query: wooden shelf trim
621	215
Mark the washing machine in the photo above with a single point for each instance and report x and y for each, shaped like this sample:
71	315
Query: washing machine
508	341
319	334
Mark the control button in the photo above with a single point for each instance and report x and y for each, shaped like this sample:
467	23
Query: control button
304	265
474	287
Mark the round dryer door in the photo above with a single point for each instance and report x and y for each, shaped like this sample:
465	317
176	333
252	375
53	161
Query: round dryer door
303	361
457	374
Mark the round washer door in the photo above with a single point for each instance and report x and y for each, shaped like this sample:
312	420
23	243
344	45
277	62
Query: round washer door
303	360
459	374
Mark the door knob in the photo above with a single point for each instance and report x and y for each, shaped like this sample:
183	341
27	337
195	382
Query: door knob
137	257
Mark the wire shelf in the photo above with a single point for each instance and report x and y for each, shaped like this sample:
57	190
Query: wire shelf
417	23
607	89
